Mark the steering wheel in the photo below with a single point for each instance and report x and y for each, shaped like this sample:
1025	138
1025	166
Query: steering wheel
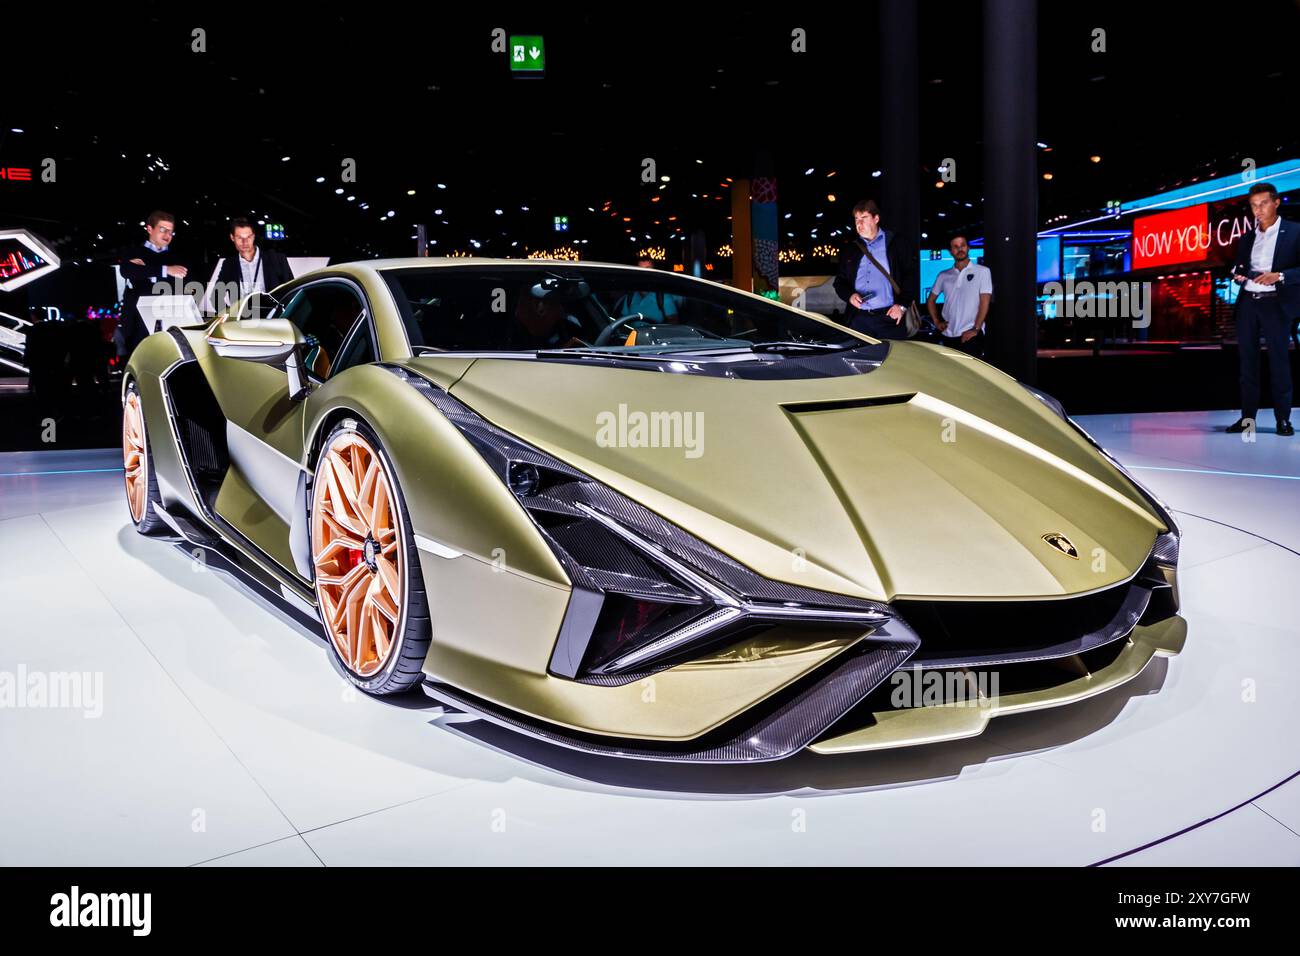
607	334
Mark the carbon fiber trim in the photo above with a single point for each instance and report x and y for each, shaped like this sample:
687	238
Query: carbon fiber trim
766	366
776	728
1119	627
1166	549
182	344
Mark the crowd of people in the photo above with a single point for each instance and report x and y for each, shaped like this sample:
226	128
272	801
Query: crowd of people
877	278
154	265
878	281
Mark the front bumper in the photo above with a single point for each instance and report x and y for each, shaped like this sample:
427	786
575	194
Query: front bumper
857	697
881	724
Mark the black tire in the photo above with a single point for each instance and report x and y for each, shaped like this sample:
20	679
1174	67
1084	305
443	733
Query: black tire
404	668
149	523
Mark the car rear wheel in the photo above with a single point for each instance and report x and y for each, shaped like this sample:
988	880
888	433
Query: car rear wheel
141	485
367	575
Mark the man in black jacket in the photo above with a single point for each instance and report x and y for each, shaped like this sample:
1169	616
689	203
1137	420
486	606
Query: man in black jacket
876	305
1268	270
150	263
252	268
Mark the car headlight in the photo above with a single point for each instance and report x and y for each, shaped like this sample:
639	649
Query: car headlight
646	593
1165	550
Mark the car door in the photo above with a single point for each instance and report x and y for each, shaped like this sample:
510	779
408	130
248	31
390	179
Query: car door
264	431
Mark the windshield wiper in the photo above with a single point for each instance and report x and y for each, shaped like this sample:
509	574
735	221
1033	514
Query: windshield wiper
792	346
618	352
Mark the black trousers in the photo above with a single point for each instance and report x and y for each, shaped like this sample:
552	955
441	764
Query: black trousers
974	347
876	323
1256	317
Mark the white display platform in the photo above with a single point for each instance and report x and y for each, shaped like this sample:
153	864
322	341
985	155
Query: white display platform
226	735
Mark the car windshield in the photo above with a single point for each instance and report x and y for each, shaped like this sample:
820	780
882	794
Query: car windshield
596	310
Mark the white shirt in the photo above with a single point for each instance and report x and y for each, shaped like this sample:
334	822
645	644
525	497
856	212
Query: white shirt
250	274
961	290
1261	255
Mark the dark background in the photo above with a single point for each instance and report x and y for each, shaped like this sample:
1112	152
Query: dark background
417	97
136	120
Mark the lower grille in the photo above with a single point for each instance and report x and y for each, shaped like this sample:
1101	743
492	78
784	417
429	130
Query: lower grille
983	633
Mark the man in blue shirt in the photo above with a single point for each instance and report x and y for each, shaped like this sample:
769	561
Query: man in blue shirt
873	306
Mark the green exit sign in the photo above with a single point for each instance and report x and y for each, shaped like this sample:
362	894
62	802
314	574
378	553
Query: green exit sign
527	54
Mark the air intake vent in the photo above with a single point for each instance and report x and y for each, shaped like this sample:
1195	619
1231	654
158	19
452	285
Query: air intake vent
799	408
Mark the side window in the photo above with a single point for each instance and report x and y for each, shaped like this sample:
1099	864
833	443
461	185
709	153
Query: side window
358	348
325	312
511	309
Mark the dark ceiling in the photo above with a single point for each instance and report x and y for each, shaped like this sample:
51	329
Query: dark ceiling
416	96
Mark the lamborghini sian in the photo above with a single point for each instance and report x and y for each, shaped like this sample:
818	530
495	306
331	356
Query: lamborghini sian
646	515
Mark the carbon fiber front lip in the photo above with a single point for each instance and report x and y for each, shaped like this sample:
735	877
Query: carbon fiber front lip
774	729
1125	619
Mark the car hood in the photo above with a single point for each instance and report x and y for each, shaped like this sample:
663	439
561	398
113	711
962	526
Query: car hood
931	475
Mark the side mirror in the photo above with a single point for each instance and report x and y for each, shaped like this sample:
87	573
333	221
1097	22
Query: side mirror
266	341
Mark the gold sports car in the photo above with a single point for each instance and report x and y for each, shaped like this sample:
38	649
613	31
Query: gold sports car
645	515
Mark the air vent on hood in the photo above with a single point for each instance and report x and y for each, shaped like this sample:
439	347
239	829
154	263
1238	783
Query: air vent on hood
798	408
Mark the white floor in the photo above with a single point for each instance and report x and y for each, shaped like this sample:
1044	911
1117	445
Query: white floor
226	737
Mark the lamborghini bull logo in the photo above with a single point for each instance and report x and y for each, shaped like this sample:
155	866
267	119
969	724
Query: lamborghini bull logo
1061	543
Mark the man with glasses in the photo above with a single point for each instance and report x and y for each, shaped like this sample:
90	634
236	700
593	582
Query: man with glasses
150	263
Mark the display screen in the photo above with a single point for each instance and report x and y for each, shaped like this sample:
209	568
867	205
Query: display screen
1169	238
1049	259
17	260
934	261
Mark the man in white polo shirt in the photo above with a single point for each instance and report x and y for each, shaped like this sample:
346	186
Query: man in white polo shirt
967	289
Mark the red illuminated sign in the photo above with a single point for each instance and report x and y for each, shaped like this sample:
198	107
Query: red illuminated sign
1167	238
1229	221
17	174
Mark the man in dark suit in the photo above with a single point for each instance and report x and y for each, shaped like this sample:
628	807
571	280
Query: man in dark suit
1268	271
875	304
252	268
148	264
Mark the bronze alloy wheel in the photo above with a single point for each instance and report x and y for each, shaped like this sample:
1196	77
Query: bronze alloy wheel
141	485
362	558
134	459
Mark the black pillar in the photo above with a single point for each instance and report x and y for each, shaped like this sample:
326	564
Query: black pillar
900	190
1011	182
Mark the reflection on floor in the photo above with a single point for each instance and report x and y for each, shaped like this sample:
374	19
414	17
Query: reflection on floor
213	728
